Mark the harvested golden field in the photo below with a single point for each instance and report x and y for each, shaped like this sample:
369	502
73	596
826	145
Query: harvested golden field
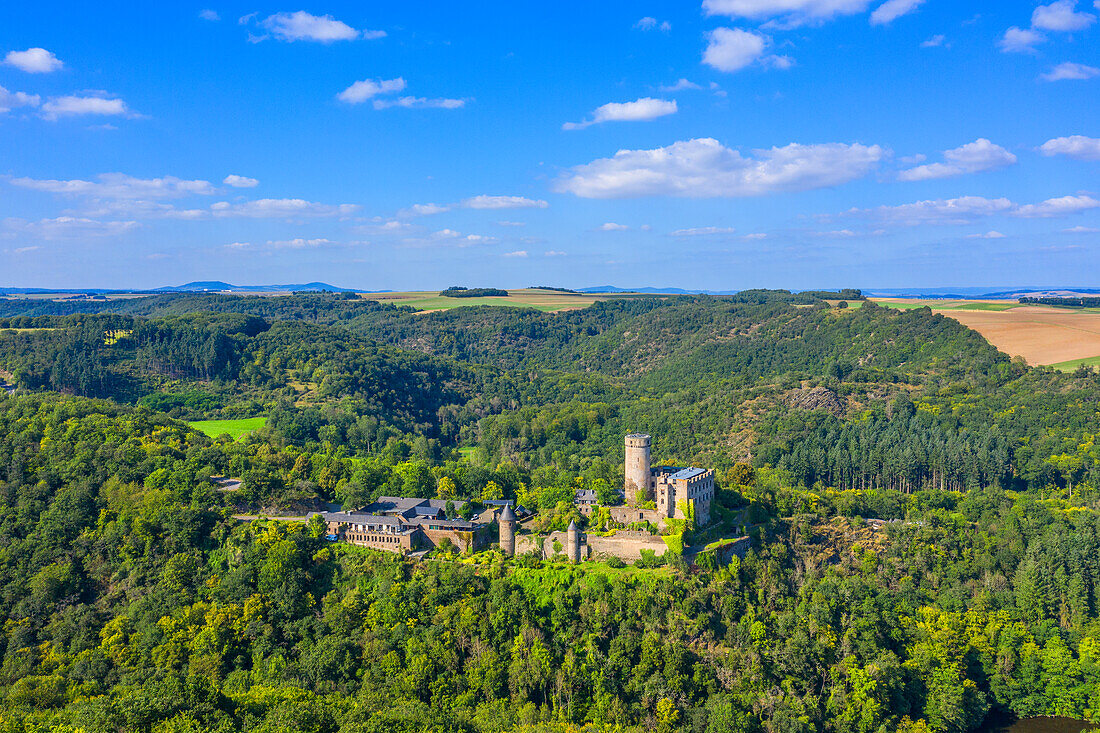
544	300
1040	335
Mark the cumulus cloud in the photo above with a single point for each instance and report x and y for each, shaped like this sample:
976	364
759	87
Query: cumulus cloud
299	243
361	91
1020	40
701	231
704	168
648	24
1081	230
1070	71
611	226
680	86
211	15
553	253
11	100
503	202
120	186
1075	146
1061	16
934	42
980	155
69	227
1056	207
732	49
280	209
91	104
787	13
517	253
640	110
892	9
301	26
992	234
240	181
33	61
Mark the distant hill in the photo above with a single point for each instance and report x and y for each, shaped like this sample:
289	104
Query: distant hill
217	285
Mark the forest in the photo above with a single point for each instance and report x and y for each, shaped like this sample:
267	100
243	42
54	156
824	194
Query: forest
924	514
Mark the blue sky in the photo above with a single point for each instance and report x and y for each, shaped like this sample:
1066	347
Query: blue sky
717	144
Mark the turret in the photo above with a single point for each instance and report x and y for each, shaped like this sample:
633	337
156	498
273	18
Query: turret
637	465
507	524
573	541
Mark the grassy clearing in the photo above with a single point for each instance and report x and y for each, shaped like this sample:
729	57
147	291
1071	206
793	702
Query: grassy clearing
948	305
1069	366
235	428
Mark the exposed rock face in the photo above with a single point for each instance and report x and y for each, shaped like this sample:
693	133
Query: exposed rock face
818	398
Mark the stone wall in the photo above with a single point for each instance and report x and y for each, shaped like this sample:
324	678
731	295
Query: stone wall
624	544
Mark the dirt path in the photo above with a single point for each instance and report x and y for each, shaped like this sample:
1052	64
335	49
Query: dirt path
1040	335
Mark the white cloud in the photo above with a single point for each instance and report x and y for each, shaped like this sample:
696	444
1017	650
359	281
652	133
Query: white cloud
420	103
424	210
240	181
640	110
1061	206
72	105
361	91
790	13
1081	230
553	253
680	86
503	202
280	209
755	235
1075	146
1020	40
33	61
732	49
980	155
704	168
69	227
120	186
935	41
511	223
11	100
648	24
892	9
211	15
701	231
447	234
611	226
1061	16
988	235
960	210
299	243
517	253
301	26
1070	70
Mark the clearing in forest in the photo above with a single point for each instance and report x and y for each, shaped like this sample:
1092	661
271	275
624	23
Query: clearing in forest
235	428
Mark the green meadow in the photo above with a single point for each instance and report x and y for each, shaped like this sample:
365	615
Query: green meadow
235	428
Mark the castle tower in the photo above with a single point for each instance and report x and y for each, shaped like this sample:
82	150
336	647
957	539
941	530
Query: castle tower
637	465
573	540
507	524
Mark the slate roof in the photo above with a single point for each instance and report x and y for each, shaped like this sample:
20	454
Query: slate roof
688	473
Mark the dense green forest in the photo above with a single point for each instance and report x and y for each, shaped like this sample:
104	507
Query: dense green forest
133	601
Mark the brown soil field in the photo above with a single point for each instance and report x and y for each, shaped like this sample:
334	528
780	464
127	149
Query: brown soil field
1040	335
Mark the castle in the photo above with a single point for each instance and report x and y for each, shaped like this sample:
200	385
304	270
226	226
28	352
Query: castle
654	494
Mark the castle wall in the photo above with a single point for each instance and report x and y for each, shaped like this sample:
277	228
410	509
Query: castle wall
626	545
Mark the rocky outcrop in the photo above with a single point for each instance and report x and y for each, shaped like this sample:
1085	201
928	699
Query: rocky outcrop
818	398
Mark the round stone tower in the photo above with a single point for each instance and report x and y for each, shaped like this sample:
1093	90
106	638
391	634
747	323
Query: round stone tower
507	524
637	465
573	540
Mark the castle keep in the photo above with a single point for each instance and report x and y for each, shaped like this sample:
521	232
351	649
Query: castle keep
678	492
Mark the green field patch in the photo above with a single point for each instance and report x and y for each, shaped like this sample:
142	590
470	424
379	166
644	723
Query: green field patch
236	429
985	306
1069	366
